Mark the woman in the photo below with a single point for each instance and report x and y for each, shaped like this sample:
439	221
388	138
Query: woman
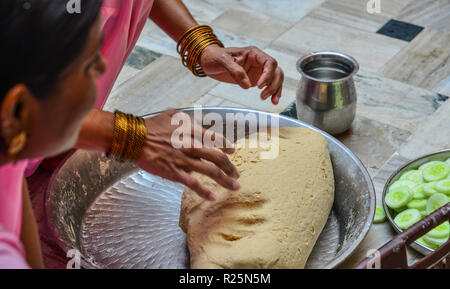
48	86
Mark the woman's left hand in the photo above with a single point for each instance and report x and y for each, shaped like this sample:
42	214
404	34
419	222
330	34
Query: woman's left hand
246	66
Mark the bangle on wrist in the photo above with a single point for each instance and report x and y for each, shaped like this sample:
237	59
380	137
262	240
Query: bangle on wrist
128	136
192	44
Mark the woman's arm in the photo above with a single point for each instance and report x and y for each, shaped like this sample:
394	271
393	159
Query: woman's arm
244	66
173	17
29	234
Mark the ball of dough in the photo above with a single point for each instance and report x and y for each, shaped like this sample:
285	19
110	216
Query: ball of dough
274	220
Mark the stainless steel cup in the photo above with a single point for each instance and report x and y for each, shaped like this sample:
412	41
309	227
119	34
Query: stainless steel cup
326	96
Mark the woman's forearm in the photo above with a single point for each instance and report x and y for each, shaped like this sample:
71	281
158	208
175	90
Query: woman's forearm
97	131
173	17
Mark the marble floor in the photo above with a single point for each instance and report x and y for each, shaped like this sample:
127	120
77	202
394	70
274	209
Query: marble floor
402	86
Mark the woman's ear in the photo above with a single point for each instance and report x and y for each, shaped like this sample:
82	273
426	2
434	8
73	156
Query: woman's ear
15	112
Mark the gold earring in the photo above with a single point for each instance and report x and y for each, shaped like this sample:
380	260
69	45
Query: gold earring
16	145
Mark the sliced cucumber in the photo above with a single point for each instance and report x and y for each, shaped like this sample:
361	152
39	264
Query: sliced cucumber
435	202
441	231
422	167
436	172
380	216
401	209
398	197
418	192
435	242
430	189
401	183
448	161
417	204
424	213
413	176
407	218
422	241
443	186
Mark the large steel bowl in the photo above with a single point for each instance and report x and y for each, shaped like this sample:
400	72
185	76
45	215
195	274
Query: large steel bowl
119	216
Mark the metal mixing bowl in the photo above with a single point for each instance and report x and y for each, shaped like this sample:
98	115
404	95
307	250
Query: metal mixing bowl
118	216
414	164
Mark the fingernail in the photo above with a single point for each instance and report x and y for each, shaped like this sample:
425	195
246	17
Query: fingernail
246	83
212	197
236	185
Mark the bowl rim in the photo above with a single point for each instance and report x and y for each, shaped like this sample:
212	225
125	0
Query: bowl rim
330	53
415	245
340	259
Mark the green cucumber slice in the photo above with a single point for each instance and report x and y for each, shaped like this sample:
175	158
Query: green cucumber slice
448	161
424	213
441	231
429	189
436	172
422	167
417	204
414	176
407	218
443	186
398	197
418	192
380	215
423	242
435	242
401	183
435	202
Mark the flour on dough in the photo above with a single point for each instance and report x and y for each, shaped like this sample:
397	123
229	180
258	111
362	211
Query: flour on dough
274	220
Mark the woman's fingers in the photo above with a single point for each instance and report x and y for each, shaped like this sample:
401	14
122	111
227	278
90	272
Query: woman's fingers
274	88
216	157
192	183
236	71
210	170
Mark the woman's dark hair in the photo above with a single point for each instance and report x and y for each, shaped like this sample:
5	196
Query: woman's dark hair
39	39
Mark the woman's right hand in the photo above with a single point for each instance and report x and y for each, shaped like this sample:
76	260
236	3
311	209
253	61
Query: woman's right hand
160	157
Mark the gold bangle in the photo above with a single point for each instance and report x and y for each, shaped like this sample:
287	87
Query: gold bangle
128	136
193	43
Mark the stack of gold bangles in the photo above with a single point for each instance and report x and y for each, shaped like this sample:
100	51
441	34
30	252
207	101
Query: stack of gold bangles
192	44
128	137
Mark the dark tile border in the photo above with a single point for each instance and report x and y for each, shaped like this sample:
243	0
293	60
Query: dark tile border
400	30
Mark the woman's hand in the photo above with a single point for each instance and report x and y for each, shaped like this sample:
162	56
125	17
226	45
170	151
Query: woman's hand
161	158
247	67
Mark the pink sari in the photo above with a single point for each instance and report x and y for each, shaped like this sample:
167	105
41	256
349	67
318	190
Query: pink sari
122	22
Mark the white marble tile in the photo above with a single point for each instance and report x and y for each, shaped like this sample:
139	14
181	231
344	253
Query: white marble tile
424	62
161	85
126	73
352	13
250	98
203	11
371	50
286	10
255	25
431	136
428	13
392	102
212	100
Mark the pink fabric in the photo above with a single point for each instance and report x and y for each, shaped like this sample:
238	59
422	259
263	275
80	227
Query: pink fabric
122	23
11	252
11	178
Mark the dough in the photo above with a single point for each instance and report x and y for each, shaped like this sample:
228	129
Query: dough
274	220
